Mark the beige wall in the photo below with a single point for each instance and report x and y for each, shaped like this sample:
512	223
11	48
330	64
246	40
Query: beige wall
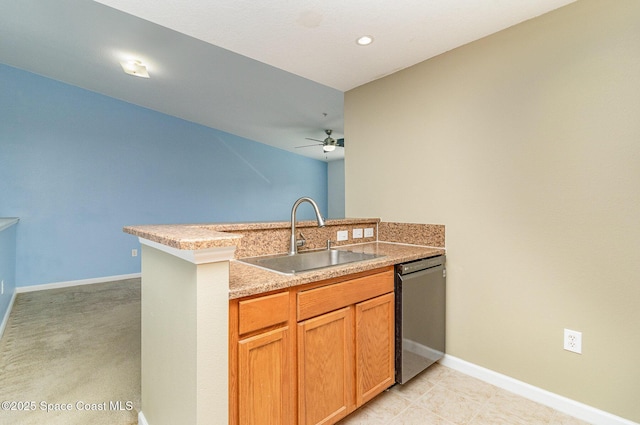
526	145
184	318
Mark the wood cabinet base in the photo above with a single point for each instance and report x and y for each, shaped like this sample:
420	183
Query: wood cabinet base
340	356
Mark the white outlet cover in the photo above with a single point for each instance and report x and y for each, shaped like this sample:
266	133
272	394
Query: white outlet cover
368	232
357	233
573	341
342	235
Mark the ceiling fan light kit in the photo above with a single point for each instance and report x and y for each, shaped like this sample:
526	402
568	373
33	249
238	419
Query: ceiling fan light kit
328	145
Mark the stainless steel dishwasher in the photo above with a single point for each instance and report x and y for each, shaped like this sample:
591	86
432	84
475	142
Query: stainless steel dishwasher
420	315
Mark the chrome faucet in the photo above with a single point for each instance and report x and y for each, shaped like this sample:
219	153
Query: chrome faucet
293	247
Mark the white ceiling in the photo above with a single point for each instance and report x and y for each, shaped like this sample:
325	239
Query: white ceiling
264	70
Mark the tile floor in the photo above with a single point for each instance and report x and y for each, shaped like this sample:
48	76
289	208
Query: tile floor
443	396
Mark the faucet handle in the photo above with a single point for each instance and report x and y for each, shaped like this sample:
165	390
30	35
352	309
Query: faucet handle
300	242
329	244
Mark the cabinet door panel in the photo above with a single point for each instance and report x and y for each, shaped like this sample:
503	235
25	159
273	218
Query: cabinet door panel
325	365
375	347
264	379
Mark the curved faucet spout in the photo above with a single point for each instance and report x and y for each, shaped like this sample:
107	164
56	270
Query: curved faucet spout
293	247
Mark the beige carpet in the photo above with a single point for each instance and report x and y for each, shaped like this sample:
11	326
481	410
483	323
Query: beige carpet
75	348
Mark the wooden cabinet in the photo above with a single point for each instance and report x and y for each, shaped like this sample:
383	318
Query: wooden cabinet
263	379
325	364
375	347
311	354
260	370
345	356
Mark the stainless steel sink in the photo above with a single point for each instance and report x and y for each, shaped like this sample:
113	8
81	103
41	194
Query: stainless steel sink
311	260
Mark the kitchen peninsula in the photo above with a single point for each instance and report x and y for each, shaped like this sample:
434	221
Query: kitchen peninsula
190	274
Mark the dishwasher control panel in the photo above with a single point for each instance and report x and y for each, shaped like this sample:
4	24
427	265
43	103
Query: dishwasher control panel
418	265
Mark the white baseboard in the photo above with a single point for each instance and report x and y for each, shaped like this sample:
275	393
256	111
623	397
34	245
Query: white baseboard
141	419
555	401
21	289
5	319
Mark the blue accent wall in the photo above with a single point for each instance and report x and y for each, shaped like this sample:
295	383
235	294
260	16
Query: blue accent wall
77	166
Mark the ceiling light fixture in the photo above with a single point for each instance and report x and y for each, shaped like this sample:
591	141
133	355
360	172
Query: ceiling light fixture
365	40
135	68
329	148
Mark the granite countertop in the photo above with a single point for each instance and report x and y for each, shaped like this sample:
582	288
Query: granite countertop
403	242
184	236
246	279
203	236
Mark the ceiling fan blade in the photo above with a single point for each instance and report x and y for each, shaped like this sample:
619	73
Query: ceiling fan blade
307	146
341	142
315	140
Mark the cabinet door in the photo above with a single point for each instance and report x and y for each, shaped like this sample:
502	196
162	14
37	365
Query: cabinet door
325	367
264	389
375	347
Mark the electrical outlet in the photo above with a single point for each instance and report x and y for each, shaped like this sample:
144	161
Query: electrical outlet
343	235
368	232
357	233
573	341
134	252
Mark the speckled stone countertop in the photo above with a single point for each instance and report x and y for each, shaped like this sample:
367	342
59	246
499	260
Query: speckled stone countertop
203	236
396	242
246	279
184	236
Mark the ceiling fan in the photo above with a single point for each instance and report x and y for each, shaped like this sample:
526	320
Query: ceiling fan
329	144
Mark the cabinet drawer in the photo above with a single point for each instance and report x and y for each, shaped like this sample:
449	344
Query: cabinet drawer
258	313
332	297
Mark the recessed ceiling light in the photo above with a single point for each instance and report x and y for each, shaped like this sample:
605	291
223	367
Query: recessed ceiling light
135	68
365	40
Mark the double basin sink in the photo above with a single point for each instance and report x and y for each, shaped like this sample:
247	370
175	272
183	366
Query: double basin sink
310	260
